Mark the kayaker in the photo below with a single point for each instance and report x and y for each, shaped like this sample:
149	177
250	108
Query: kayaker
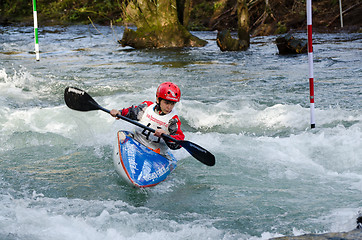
160	116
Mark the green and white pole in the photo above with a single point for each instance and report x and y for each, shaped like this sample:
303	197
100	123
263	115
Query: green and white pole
36	31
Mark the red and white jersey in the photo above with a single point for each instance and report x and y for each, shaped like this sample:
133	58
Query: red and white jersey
145	113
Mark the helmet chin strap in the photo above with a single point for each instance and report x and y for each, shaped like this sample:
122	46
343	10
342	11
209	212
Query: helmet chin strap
158	107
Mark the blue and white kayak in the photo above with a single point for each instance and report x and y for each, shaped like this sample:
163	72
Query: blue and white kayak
138	165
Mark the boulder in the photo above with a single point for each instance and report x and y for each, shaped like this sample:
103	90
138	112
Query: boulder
287	44
351	235
167	37
227	43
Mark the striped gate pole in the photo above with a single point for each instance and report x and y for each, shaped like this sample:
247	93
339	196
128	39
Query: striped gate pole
36	31
310	62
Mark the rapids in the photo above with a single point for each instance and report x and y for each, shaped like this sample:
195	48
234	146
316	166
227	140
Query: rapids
273	176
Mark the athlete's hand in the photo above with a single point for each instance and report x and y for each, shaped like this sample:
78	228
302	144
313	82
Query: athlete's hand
159	132
114	113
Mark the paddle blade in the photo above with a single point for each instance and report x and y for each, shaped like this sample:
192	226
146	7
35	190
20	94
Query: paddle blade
79	100
199	153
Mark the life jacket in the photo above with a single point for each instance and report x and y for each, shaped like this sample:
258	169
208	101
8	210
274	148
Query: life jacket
153	120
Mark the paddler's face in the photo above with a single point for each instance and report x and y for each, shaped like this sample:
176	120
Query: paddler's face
166	106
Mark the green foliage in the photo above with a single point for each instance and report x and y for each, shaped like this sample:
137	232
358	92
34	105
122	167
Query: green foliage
334	2
218	5
62	11
200	13
281	28
16	9
203	9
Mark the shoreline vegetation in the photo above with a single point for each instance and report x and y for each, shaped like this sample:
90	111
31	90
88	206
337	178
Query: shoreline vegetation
267	17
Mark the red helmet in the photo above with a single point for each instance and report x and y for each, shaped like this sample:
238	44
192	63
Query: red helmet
169	91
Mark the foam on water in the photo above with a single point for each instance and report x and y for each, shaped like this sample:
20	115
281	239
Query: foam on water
279	119
38	217
12	86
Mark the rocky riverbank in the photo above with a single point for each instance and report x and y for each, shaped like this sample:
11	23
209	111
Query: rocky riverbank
279	16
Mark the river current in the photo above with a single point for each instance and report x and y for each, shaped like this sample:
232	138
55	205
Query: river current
274	175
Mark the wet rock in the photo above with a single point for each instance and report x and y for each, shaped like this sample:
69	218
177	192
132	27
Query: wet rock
287	44
352	235
359	222
227	43
169	37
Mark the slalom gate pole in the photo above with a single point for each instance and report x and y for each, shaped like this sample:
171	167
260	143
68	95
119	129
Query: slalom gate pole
341	13
36	31
310	62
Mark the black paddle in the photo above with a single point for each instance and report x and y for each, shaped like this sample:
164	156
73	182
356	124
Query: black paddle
79	100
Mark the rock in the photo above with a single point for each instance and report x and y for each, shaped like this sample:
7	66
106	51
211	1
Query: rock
227	43
359	222
352	235
168	37
287	44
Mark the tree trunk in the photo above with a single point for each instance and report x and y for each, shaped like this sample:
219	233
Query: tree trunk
224	39
243	22
187	12
184	8
158	26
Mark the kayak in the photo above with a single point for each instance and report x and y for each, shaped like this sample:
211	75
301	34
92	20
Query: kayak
138	165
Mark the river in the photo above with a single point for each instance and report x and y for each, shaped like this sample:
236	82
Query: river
274	175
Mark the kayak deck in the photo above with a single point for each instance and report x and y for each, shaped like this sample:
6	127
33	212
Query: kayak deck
138	165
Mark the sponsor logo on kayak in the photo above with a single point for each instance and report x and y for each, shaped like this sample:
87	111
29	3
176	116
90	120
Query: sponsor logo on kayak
157	174
161	171
132	159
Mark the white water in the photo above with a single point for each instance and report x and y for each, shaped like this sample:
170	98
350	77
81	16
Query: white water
274	176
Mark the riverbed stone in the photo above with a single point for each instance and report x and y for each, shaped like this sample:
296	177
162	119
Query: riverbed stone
352	235
227	43
287	44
